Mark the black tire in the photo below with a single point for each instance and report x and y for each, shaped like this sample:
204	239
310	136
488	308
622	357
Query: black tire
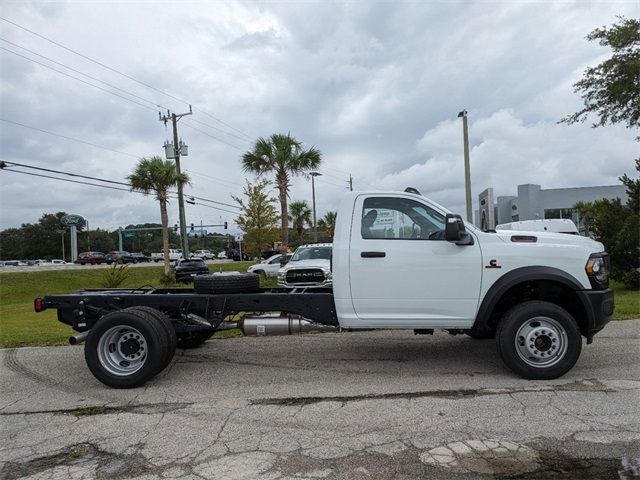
539	340
188	340
226	283
167	326
100	357
260	273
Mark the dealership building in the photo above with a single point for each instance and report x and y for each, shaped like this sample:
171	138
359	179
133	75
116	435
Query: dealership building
533	202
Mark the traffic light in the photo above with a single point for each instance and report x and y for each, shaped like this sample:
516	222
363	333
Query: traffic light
192	227
225	225
175	228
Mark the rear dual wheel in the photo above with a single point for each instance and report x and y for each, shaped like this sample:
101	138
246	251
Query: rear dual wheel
127	348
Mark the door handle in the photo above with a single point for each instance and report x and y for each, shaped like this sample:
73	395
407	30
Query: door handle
373	254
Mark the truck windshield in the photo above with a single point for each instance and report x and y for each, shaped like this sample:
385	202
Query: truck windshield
312	253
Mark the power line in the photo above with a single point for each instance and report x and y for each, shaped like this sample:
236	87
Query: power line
65	179
67	173
107	84
122	74
68	138
5	162
212	136
79	79
82	73
221	131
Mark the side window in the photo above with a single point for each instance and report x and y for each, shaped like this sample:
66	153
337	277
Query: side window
398	218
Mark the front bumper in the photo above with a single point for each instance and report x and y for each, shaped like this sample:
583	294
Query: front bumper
599	305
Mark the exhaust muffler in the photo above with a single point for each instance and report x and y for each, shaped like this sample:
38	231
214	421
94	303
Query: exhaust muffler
79	338
289	325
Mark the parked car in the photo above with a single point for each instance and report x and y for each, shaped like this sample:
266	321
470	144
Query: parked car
185	270
203	254
140	257
174	254
222	255
58	261
119	256
270	266
14	263
91	258
309	267
558	225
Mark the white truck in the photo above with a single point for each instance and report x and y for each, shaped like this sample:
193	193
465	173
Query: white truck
399	261
174	254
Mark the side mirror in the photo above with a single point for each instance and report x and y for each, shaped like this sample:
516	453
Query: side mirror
284	260
454	228
455	232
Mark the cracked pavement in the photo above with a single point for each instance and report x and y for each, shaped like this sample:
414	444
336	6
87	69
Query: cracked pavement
365	405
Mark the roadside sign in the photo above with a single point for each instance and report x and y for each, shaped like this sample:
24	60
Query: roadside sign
72	220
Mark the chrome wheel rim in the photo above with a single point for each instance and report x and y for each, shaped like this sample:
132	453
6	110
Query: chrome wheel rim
122	350
541	342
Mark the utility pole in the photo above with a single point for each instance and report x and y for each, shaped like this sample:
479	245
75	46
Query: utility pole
177	147
467	168
313	192
350	182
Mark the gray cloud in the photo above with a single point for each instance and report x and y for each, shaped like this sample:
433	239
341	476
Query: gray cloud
375	86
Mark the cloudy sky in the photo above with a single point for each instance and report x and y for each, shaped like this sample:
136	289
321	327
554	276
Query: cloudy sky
375	86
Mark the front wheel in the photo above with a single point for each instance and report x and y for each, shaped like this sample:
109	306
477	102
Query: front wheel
539	340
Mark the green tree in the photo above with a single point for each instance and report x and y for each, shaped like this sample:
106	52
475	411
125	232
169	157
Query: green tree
328	222
611	89
300	215
616	226
258	219
157	176
285	157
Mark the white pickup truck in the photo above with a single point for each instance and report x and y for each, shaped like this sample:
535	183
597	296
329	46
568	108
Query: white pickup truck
174	254
399	261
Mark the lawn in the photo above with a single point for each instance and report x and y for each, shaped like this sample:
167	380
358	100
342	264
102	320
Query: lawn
21	326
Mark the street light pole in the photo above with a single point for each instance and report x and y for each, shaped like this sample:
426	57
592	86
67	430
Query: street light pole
313	192
467	168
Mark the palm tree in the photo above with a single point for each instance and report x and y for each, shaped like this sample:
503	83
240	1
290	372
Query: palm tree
155	175
299	214
328	222
283	156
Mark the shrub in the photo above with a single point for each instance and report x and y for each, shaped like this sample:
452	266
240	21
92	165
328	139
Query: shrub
114	276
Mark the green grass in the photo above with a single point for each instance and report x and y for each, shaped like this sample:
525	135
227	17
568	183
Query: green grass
627	302
21	326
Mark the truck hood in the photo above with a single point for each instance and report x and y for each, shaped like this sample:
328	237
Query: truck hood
552	238
316	263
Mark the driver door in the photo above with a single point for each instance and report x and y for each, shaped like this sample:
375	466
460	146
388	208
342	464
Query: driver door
403	273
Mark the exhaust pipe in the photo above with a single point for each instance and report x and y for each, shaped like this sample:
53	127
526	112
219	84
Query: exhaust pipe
79	338
289	325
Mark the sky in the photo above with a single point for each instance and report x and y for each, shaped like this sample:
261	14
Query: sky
375	86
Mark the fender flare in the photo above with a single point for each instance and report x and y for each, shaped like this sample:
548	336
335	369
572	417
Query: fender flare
520	275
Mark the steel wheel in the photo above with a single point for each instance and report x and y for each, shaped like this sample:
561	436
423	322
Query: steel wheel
122	350
541	342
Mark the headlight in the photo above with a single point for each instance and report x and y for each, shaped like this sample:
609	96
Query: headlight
597	269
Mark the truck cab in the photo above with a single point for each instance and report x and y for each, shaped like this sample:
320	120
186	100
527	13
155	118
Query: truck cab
403	261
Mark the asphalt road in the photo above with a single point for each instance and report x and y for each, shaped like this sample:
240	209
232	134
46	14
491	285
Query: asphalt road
368	405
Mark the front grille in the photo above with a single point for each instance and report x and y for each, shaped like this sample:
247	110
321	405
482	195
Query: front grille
309	275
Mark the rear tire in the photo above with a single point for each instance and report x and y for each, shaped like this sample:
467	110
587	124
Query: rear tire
539	340
226	283
187	340
126	348
167	326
